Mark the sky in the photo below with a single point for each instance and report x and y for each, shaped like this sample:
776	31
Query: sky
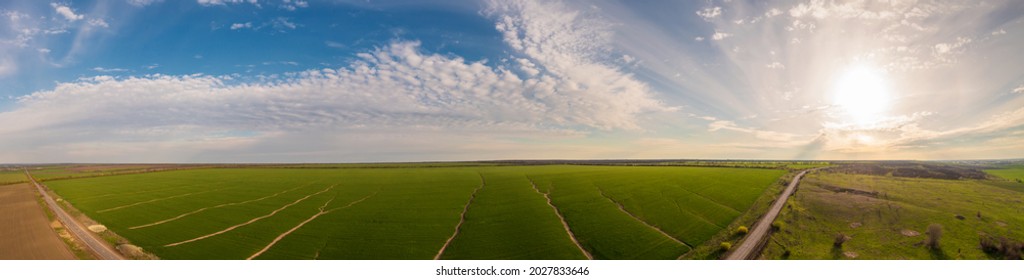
373	81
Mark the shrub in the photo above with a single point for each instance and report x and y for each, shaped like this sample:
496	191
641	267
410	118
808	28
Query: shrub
934	234
990	244
742	230
777	225
725	246
1002	246
840	239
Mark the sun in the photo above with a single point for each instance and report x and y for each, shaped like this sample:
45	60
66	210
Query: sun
862	94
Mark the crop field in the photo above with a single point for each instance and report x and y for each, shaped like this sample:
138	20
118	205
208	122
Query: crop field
466	212
1013	173
11	177
888	217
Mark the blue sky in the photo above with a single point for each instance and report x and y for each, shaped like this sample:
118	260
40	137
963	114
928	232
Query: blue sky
353	81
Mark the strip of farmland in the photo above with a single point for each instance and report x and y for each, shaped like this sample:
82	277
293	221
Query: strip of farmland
26	230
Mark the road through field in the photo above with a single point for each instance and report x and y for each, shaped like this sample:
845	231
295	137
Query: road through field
752	242
95	245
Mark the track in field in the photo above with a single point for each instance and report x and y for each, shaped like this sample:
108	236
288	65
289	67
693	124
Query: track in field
462	219
271	214
311	218
659	230
547	196
213	207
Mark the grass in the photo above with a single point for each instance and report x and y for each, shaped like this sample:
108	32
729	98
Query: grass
1012	173
887	217
408	213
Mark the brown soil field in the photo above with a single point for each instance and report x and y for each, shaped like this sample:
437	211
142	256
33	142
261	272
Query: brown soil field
26	233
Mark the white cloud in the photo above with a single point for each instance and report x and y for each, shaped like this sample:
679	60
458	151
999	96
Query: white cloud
757	133
98	22
334	44
108	70
528	67
772	12
775	65
143	3
292	5
903	135
282	23
864	10
1019	89
710	13
563	81
395	88
236	26
628	58
947	52
7	66
999	32
67	12
224	2
719	35
698	38
571	51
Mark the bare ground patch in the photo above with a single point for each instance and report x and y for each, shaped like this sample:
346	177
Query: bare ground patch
97	228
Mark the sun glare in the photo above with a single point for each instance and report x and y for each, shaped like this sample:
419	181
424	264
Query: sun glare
862	94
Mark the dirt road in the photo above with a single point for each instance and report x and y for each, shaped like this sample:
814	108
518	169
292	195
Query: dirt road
26	230
97	246
751	245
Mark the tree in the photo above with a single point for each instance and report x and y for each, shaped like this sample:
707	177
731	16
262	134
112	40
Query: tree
934	234
742	230
840	239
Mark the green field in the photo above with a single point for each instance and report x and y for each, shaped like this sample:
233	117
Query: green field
887	217
613	212
12	177
1013	173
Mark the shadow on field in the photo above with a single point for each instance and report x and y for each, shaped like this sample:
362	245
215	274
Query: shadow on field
938	254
